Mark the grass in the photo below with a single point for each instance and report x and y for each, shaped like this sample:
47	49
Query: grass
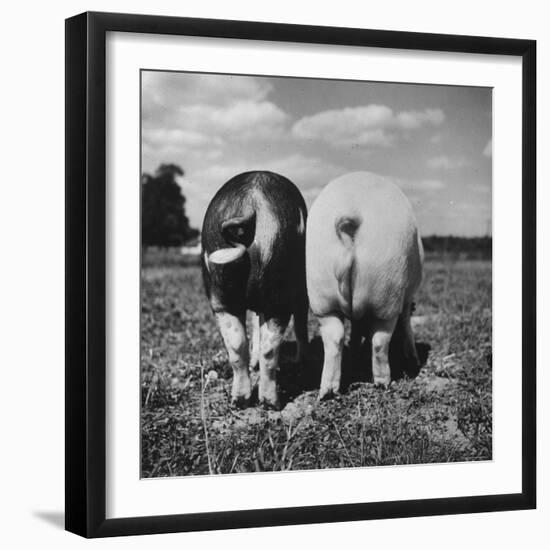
188	427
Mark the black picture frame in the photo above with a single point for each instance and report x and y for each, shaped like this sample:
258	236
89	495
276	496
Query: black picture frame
86	274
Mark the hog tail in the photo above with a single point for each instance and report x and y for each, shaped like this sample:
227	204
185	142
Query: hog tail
346	228
239	233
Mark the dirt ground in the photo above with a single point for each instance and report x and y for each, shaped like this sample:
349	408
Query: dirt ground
442	415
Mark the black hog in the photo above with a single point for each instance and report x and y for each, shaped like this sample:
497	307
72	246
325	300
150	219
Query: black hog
253	241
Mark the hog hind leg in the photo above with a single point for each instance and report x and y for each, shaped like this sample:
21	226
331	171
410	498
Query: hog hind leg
272	331
233	331
332	332
255	341
412	361
381	333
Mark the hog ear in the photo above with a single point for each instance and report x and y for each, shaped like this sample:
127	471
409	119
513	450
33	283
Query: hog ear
226	255
240	230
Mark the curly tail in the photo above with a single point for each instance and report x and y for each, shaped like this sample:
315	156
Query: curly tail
346	228
239	234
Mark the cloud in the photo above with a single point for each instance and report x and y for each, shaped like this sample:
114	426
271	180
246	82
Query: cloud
444	162
172	89
411	187
370	125
306	171
242	120
428	185
175	145
176	137
185	112
488	150
416	119
309	173
420	185
154	155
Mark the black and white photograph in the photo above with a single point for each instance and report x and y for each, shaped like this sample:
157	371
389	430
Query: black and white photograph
316	274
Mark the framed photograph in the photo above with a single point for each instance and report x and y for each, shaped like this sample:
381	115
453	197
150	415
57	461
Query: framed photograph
300	278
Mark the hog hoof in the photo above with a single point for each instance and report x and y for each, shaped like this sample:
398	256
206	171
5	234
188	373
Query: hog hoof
326	395
240	402
270	405
382	382
268	395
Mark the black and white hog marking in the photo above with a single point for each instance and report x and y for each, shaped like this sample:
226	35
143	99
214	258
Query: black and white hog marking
364	262
253	241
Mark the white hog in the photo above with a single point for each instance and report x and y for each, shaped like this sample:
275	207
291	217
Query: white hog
363	262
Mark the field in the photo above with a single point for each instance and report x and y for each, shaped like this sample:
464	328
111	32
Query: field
188	428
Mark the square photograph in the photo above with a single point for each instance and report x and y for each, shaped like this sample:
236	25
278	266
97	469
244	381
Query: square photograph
316	274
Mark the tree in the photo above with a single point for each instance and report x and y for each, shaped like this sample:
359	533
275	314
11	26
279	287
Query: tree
163	219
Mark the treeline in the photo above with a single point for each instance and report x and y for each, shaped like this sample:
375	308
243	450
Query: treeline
163	219
460	247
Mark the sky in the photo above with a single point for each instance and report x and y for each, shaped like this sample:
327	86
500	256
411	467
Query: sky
432	141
